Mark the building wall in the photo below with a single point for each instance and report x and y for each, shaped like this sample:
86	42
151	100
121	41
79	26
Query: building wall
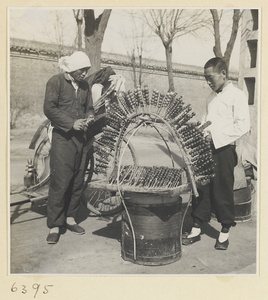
248	79
28	77
30	70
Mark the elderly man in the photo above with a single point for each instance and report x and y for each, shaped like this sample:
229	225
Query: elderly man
229	115
68	105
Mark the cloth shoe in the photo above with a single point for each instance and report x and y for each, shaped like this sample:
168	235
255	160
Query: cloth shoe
222	246
75	228
53	238
190	240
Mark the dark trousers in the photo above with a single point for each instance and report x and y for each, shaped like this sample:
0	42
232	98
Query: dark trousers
67	167
218	194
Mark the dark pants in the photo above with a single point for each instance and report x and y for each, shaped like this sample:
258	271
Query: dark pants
67	167
218	194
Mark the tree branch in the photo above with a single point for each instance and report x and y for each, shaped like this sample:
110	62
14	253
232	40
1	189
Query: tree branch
216	25
230	44
90	21
103	20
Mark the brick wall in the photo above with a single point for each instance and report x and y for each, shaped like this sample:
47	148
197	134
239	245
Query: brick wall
28	77
30	72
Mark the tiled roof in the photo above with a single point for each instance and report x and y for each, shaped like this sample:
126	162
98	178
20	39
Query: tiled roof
35	47
52	50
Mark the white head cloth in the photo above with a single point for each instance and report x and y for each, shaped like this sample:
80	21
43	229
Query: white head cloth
78	60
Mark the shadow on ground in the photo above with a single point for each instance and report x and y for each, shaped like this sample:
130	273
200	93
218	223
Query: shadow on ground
111	231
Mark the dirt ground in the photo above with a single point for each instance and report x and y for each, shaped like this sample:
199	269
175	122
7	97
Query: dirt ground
98	251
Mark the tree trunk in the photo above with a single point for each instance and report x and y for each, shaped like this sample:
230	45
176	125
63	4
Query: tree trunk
140	69
78	14
133	64
168	49
93	50
79	33
94	33
217	36
230	44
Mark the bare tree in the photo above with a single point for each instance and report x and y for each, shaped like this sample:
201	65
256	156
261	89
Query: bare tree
136	66
79	15
136	41
58	28
94	33
217	49
63	32
170	24
140	49
133	66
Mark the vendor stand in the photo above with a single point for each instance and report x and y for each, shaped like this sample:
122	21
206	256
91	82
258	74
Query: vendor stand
152	218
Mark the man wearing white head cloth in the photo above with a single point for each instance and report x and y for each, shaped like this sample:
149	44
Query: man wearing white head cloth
68	105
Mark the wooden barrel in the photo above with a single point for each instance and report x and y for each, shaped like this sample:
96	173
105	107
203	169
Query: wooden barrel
156	220
242	200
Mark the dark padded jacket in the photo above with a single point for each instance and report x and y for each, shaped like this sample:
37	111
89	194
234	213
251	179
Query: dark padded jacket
62	106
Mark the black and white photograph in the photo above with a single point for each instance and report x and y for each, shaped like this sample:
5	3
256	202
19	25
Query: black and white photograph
133	141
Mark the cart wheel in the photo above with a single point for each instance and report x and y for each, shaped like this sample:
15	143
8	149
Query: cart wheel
41	162
103	202
100	202
90	167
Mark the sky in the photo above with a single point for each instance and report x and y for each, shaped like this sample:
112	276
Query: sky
50	24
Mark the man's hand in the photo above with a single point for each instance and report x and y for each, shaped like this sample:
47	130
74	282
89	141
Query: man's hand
80	124
90	120
118	82
208	137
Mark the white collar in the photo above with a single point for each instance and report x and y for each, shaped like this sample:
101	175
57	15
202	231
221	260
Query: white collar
73	81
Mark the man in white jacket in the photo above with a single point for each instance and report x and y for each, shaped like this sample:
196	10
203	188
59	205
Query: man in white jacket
228	113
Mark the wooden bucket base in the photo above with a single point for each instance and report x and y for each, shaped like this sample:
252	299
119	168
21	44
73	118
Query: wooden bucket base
157	230
242	199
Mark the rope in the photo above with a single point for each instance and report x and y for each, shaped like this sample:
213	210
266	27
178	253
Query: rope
184	214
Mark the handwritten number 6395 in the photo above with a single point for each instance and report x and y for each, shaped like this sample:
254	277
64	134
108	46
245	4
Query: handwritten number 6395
36	287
